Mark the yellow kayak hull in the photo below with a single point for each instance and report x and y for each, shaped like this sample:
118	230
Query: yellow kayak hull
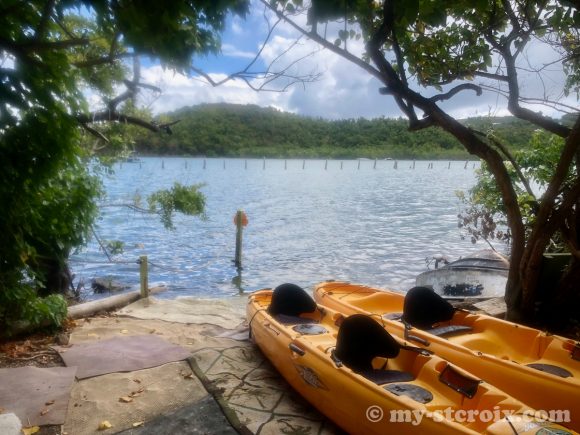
495	350
360	406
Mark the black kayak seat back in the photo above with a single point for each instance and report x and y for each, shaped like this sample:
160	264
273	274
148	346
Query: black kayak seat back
423	308
290	301
361	339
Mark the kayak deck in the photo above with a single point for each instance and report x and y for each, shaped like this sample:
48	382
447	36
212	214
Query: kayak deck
311	352
540	369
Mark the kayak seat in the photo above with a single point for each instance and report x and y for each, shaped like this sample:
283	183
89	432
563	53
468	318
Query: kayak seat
293	320
415	392
443	331
423	308
360	339
552	369
392	316
382	377
288	302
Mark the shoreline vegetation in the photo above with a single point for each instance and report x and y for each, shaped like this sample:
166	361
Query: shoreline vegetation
250	131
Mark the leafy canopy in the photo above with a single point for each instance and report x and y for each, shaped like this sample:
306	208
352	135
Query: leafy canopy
52	55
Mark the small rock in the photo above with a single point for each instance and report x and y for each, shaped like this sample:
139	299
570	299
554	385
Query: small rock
106	285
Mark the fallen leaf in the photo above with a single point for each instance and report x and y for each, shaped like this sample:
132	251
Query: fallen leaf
44	412
30	430
50	402
124	331
104	425
125	399
152	331
189	376
190	344
138	423
136	393
137	380
93	335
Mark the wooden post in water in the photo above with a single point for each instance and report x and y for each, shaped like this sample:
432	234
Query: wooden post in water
224	164
326	165
341	165
466	164
162	164
144	277
395	167
240	220
358	167
413	164
264	165
186	164
203	163
246	164
449	165
285	164
303	163
375	165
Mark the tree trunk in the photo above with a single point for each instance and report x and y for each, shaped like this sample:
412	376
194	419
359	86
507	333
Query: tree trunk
56	277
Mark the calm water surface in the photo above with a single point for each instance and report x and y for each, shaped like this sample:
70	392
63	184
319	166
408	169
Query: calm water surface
365	225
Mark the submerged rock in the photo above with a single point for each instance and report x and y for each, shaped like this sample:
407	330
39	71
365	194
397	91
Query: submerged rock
107	285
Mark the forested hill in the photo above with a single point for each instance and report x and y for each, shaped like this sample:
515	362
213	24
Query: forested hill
252	131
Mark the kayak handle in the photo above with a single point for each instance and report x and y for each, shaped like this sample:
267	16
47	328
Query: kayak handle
410	337
294	348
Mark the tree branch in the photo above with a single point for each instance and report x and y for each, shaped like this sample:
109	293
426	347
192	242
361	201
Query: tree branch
455	90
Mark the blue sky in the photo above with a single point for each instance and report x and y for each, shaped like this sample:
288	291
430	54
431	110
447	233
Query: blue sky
342	90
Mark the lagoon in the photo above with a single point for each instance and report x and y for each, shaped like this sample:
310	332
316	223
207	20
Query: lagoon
309	221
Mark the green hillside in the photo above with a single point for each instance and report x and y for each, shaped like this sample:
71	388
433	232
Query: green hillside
252	131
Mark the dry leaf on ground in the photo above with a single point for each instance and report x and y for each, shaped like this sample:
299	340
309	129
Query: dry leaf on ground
104	425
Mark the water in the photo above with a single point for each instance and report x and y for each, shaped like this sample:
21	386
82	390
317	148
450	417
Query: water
367	225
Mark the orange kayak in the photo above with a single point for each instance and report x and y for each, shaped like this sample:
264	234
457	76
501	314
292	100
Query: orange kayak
369	382
540	369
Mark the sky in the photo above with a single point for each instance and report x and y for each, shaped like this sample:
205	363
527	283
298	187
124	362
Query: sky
342	89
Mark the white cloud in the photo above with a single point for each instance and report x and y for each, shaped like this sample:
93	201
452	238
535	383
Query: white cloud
343	90
232	51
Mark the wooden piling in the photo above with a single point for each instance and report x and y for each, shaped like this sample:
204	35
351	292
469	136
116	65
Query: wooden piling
204	163
341	166
162	164
395	166
240	220
449	165
245	164
303	164
358	167
326	165
264	163
285	164
375	165
143	274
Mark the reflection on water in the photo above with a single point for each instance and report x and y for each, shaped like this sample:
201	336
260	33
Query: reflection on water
306	223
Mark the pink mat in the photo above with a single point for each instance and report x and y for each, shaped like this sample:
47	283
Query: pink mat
38	396
121	354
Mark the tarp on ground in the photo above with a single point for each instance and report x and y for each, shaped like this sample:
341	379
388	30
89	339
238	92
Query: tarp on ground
120	354
38	396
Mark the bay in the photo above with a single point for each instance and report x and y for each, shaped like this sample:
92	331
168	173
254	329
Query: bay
309	221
